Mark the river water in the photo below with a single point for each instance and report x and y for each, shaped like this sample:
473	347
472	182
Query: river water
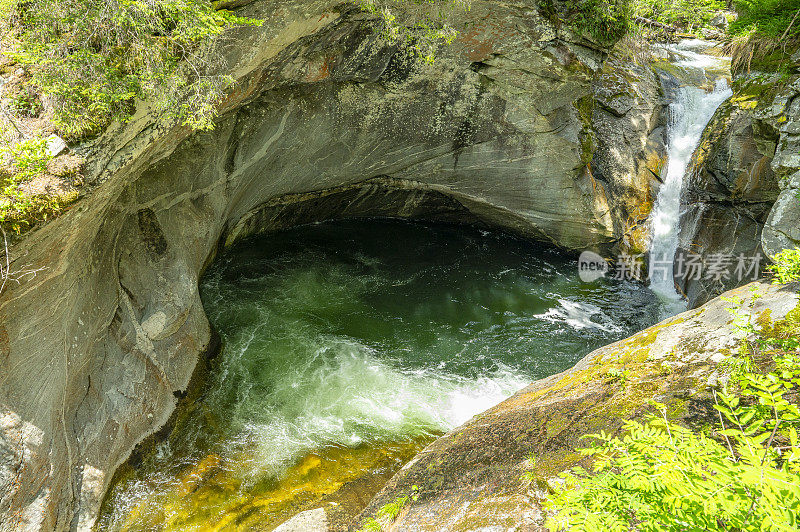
347	347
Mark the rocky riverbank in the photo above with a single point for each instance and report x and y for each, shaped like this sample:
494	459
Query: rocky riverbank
495	469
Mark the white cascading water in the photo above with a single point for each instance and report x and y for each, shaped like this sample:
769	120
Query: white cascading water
690	112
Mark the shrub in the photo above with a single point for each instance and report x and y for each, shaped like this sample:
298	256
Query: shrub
606	21
770	18
26	103
27	158
786	266
424	25
766	34
94	58
23	161
687	14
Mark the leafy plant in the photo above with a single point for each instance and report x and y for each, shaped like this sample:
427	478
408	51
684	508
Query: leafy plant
26	103
424	24
662	476
619	376
605	20
772	18
94	58
28	158
22	162
687	14
786	266
387	513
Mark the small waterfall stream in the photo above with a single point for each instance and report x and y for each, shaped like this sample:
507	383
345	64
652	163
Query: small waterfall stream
690	111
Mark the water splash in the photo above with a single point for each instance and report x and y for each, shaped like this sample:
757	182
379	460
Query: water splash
690	112
581	316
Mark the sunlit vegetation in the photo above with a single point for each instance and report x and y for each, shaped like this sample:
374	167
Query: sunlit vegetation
742	474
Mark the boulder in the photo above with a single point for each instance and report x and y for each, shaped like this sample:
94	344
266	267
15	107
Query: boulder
728	192
722	20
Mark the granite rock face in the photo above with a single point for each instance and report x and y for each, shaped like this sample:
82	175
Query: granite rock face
326	120
729	189
782	228
629	111
739	195
492	472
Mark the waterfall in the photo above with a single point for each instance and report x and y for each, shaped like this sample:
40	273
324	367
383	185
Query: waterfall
689	113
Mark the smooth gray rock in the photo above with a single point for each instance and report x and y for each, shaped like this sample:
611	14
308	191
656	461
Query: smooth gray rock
55	145
721	20
309	521
782	228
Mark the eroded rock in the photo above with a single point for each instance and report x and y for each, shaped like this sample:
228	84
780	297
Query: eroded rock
728	192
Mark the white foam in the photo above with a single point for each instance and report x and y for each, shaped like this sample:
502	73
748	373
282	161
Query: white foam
355	398
578	315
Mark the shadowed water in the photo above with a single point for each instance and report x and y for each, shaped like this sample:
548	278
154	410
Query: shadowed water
361	341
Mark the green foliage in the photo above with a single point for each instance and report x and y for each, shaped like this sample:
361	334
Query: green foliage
94	58
387	513
424	26
26	103
28	158
606	21
687	14
619	376
786	266
661	476
24	161
770	18
392	510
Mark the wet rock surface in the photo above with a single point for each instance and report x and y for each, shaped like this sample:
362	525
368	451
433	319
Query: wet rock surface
740	196
728	193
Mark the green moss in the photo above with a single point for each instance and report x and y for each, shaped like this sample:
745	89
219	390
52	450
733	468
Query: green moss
781	329
588	139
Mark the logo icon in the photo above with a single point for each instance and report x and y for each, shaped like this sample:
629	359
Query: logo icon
591	266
